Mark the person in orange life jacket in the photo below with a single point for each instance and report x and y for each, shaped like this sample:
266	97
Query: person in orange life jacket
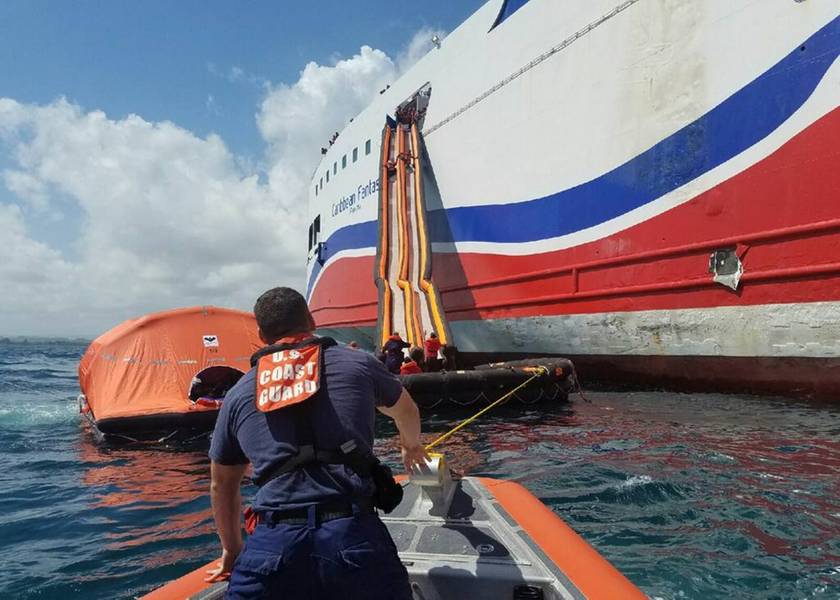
412	362
317	535
432	345
393	350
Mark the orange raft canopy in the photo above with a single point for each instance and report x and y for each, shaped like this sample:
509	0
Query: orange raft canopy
165	371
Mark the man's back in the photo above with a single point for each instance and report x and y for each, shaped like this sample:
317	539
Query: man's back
352	385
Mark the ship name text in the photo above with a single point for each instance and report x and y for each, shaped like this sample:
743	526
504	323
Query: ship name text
352	202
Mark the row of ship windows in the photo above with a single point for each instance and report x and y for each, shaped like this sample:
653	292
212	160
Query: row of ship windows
355	157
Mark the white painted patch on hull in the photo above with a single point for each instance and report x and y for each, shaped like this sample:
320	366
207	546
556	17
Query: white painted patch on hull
806	330
803	330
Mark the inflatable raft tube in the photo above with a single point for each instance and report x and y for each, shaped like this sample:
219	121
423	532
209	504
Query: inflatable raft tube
475	538
487	383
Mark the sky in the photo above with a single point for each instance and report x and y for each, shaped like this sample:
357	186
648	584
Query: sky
156	154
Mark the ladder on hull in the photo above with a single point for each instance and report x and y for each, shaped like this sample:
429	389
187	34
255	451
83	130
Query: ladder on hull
409	302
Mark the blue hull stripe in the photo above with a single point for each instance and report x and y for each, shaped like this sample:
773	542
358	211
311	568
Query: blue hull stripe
508	8
739	122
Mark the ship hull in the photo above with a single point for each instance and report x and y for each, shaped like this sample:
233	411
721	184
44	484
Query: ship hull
547	241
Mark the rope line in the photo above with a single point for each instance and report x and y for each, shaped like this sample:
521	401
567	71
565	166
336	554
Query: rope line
539	371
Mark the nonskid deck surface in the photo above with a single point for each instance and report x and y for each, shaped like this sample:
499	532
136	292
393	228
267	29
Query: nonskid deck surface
475	550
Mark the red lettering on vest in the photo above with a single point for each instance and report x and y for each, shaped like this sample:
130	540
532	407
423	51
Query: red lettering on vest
288	377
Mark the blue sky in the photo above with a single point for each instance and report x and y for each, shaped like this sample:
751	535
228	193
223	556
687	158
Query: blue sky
162	60
121	122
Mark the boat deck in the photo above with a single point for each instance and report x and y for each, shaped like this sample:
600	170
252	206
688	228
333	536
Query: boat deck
475	550
475	538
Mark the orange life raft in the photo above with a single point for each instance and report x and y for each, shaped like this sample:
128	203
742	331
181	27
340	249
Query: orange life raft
165	371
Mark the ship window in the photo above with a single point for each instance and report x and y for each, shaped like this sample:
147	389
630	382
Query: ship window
310	235
316	230
316	190
367	147
344	162
335	168
328	175
321	183
355	154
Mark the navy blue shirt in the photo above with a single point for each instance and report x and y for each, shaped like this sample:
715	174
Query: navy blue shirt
352	385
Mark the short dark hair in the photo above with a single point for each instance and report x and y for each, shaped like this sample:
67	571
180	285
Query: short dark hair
282	311
416	354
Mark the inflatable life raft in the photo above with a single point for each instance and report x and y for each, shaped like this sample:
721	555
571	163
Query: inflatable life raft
476	538
486	383
166	372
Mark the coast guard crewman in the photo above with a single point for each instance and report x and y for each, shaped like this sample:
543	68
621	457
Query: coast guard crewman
298	418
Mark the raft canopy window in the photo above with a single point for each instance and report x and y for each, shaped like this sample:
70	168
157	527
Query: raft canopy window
355	154
367	147
316	190
321	183
335	168
328	175
344	162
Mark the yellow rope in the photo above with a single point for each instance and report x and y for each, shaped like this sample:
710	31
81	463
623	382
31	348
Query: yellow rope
538	371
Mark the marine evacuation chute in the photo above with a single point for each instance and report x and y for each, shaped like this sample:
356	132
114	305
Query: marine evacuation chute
166	371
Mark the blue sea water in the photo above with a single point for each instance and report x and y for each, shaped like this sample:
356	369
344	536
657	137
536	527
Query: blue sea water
691	496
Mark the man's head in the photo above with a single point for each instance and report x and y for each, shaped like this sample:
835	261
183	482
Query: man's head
417	355
433	335
281	312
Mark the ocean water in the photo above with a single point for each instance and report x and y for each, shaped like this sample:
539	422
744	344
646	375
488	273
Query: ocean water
691	496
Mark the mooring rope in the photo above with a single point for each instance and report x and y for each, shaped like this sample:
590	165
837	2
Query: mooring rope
538	371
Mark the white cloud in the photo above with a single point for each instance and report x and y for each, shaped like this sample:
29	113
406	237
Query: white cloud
417	48
237	74
27	187
211	105
296	120
169	218
34	276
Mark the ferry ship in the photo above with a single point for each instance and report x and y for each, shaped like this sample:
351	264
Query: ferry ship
649	187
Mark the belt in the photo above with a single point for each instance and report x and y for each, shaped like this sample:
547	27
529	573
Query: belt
328	511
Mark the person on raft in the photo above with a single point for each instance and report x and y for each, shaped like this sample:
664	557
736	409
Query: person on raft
393	350
303	418
432	345
413	362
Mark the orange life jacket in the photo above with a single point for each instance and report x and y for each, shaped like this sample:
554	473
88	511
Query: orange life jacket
289	371
410	368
